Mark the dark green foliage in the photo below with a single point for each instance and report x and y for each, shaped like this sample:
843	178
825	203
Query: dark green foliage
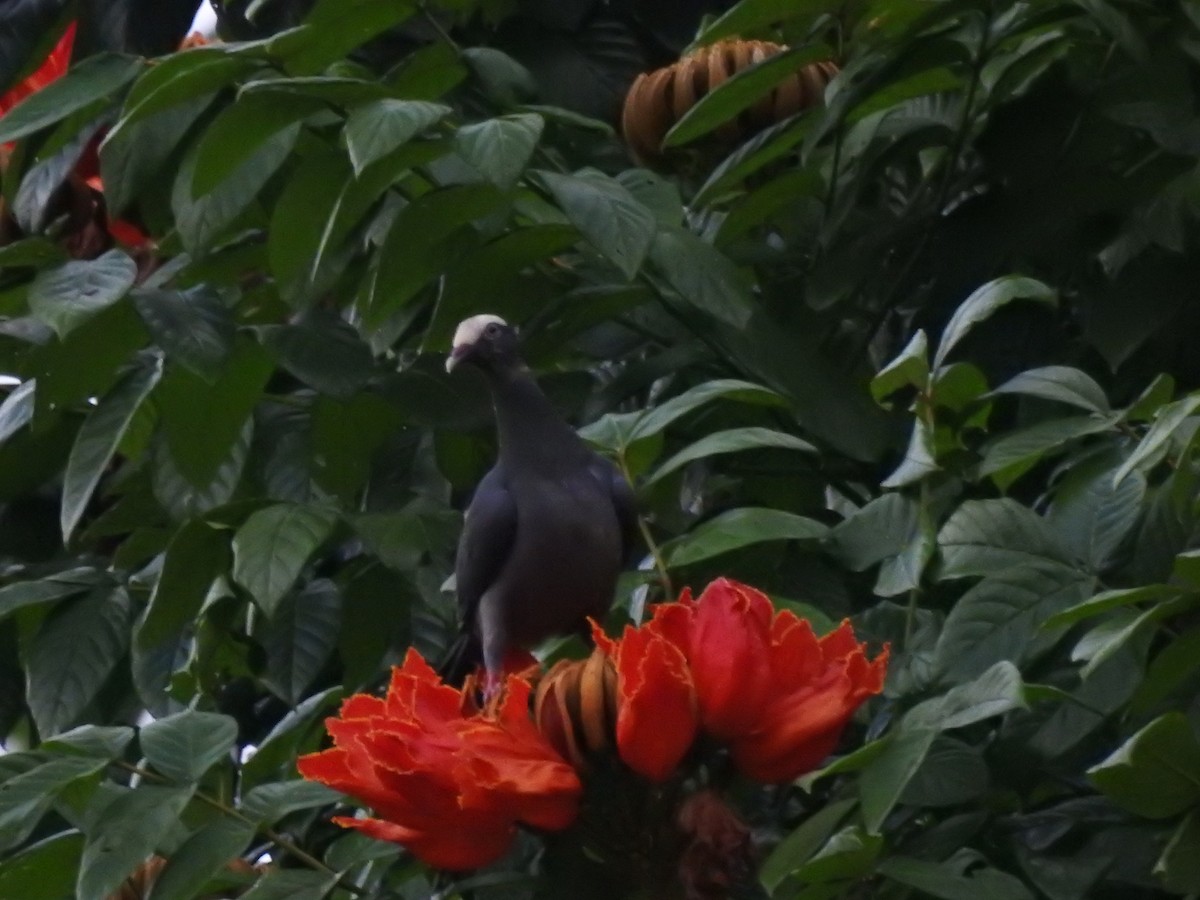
922	356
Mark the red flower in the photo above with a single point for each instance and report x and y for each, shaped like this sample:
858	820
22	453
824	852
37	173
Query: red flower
52	68
725	635
817	686
656	700
762	681
447	781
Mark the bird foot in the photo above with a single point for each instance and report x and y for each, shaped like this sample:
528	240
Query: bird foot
493	693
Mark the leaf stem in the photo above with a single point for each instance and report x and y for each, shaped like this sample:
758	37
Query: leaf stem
442	33
660	563
269	833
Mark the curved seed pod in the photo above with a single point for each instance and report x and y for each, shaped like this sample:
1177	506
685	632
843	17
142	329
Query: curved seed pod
658	99
593	702
552	710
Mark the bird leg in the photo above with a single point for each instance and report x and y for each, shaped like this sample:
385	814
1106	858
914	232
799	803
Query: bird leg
494	638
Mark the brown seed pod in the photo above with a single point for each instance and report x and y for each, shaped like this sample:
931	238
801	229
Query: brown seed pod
659	99
575	707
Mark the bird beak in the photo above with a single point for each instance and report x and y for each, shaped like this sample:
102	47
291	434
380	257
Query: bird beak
457	355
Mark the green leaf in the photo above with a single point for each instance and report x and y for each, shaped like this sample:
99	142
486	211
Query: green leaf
54	587
1114	633
1061	383
328	88
949	881
133	156
186	745
268	803
97	741
799	846
68	295
749	16
203	422
291	884
1011	455
324	352
194	328
1167	420
43	871
26	797
181	498
702	275
1114	599
332	29
504	80
920	457
612	220
204	854
500	148
884	780
300	731
427	238
376	129
983	303
309	223
1095	514
180	77
95	78
953	773
731	441
893	530
303	634
345	440
739	528
131	827
241	129
655	420
97	441
909	369
17	409
984	537
1156	773
500	270
197	555
272	546
1170	668
200	221
847	854
999	618
73	653
725	101
997	691
1179	865
402	537
36	252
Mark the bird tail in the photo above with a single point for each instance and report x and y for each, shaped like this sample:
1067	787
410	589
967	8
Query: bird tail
462	658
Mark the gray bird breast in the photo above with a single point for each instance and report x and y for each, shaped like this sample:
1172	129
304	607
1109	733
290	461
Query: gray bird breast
565	567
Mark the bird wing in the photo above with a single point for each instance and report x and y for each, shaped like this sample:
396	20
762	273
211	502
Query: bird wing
624	502
487	539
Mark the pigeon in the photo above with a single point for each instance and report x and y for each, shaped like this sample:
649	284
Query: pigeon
549	526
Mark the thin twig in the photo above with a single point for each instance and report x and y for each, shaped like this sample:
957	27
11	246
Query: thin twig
442	33
269	833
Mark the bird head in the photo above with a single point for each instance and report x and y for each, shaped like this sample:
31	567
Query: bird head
485	340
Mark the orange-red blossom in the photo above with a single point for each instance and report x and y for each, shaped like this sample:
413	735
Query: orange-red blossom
758	680
449	782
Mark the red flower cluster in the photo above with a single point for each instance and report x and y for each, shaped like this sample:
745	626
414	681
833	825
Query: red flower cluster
448	781
451	782
755	679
